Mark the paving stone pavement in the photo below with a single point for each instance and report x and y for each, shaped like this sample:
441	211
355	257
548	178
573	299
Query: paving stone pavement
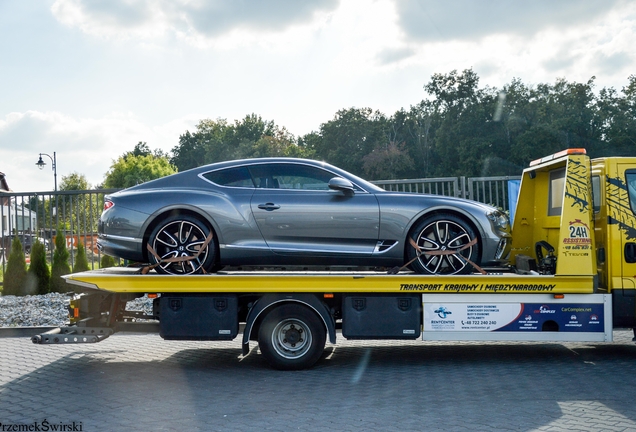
141	382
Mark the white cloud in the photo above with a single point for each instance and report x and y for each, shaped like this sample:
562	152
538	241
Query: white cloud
589	44
444	20
201	23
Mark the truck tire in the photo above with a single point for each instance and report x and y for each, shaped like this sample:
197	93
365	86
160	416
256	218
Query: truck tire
443	231
291	337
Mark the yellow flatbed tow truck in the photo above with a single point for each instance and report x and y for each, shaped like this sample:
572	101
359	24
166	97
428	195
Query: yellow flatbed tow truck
572	278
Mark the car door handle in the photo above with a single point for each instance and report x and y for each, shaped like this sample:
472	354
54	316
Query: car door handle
268	206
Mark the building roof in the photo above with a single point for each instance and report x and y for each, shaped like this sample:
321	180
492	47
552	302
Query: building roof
4	186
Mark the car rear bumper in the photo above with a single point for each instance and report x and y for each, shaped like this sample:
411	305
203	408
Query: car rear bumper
123	247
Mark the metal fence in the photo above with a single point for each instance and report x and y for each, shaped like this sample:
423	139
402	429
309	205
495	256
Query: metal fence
488	190
447	186
45	215
492	190
74	214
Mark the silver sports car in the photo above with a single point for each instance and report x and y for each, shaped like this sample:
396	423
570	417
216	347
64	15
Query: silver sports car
287	212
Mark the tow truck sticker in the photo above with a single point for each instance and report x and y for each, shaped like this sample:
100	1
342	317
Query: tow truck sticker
512	317
579	241
618	213
577	185
480	287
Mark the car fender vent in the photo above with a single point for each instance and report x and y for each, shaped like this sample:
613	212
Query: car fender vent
384	245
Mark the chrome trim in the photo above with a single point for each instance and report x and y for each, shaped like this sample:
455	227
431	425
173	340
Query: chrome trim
381	244
121	238
231	246
501	248
227	246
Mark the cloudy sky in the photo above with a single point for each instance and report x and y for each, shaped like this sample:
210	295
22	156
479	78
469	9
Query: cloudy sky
88	79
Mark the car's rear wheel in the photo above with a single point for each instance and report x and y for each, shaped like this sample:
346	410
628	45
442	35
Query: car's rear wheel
439	233
182	237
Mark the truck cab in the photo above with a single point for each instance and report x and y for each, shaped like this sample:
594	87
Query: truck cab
614	207
577	216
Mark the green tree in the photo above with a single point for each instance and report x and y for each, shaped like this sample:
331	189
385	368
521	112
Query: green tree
415	131
14	281
617	119
387	162
466	133
107	261
209	143
39	269
60	265
132	170
81	261
350	136
74	181
217	140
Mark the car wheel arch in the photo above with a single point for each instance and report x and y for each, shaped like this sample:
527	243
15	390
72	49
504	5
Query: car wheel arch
465	216
166	213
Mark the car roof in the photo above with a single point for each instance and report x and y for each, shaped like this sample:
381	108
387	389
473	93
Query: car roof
185	176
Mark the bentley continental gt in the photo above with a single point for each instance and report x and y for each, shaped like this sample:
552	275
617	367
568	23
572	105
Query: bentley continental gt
295	212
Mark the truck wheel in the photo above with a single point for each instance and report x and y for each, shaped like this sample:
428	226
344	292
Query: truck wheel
440	232
182	236
292	337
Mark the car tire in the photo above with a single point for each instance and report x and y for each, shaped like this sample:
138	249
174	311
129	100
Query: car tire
292	337
182	236
440	232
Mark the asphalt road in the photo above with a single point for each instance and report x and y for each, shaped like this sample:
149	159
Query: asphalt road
141	382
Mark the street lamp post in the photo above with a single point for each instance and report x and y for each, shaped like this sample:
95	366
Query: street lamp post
40	163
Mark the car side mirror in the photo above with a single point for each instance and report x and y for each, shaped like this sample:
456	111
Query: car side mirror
342	185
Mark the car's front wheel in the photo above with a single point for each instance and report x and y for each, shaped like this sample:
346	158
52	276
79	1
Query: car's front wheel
180	243
442	240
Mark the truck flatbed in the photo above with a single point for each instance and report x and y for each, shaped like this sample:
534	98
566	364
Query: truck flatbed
130	280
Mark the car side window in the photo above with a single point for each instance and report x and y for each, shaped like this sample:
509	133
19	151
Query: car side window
291	176
231	177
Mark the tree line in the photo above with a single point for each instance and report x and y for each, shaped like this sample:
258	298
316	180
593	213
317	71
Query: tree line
460	128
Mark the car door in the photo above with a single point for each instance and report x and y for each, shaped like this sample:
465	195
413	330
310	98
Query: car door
297	213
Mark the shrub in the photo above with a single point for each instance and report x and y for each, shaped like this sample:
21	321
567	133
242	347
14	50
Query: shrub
39	269
107	261
60	265
14	282
81	261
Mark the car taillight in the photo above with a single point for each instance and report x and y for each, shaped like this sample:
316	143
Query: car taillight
108	204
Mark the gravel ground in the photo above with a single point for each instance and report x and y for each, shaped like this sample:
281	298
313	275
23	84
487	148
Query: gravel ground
48	310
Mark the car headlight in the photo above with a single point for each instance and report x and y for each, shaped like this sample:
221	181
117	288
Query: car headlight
499	220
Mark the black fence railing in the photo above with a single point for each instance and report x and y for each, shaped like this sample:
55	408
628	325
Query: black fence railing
45	215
